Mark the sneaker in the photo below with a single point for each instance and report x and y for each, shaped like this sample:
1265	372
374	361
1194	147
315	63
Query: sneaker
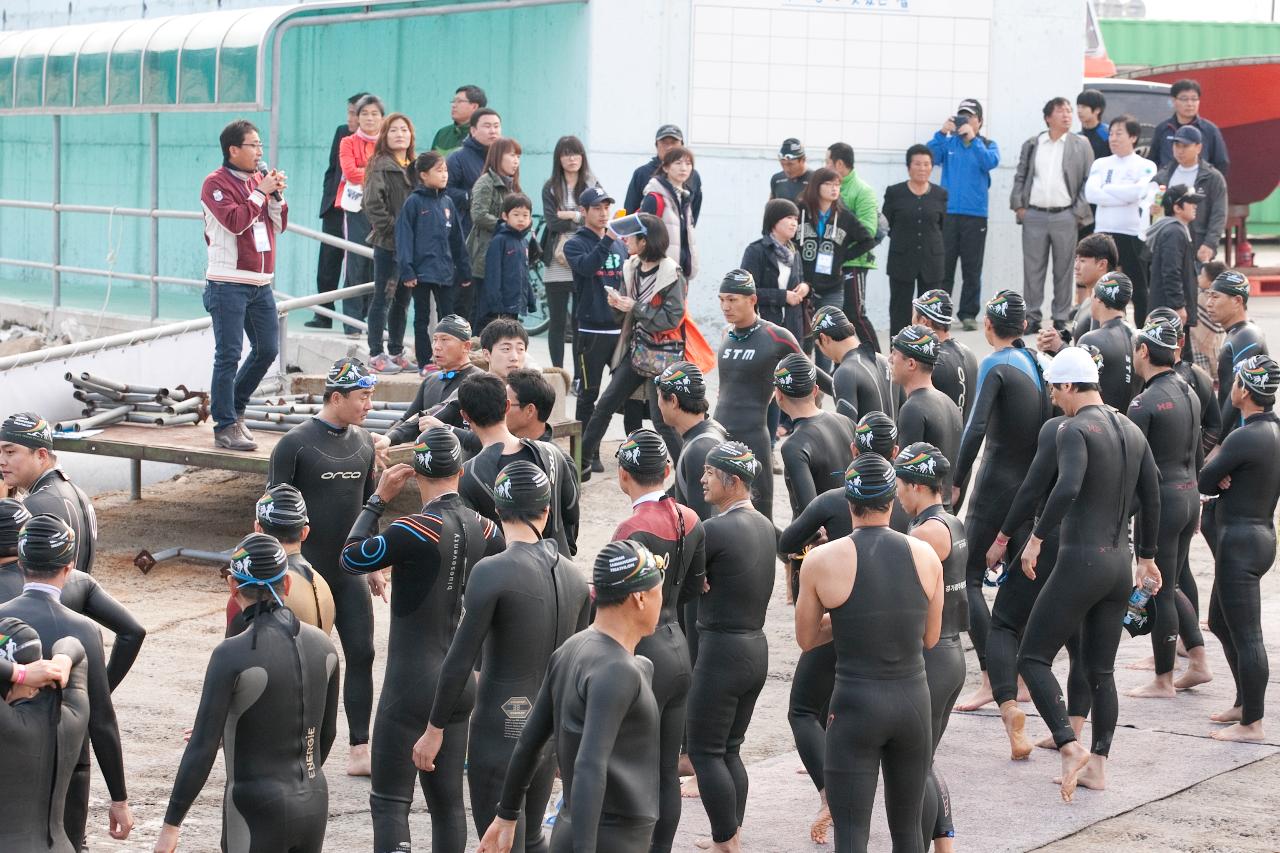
319	323
970	324
230	438
585	473
244	430
403	363
382	363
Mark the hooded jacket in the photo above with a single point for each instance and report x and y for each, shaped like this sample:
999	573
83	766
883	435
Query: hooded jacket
386	187
596	263
1211	214
1172	276
428	239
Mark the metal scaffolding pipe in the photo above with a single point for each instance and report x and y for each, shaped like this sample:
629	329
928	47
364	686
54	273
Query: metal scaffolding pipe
146	561
109	416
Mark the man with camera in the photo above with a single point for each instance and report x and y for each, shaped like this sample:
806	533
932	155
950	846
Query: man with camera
967	159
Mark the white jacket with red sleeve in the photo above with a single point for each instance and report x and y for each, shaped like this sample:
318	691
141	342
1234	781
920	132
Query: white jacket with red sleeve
232	204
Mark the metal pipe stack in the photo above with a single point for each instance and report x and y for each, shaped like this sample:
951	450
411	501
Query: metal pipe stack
109	402
284	413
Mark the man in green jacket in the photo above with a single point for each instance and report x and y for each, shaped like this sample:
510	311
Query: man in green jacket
858	196
465	101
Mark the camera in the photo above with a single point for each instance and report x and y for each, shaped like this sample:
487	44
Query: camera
960	120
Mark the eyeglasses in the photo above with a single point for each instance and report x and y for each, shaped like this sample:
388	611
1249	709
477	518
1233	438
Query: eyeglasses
257	145
1188	99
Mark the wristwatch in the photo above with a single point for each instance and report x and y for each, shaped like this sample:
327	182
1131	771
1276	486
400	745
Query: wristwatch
376	504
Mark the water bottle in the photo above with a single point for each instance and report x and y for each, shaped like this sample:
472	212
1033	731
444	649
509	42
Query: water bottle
996	575
1136	614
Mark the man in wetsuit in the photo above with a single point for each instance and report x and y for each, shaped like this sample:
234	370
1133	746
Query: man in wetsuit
818	450
1105	471
43	729
733	654
1012	403
1114	336
921	470
46	553
860	378
521	605
883	592
430	554
1243	473
926	414
1168	414
956	373
484	403
27	462
282	514
270	698
1228	306
330	459
451	354
674	534
682	397
751	349
598	705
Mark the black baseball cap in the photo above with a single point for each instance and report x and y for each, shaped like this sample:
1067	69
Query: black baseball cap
1181	194
1188	135
592	196
670	130
792	149
971	106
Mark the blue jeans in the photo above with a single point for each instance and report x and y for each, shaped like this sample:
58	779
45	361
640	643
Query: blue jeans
239	310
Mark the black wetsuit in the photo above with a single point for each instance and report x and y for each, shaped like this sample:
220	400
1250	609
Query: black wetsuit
681	542
860	384
1242	340
333	469
1168	414
698	442
42	738
598	706
521	605
956	375
747	360
1105	470
304	599
814	457
480	472
270	699
53	621
1011	405
944	667
1246	548
54	494
430	554
733	660
929	415
1117	380
84	595
880	712
439	386
1187	596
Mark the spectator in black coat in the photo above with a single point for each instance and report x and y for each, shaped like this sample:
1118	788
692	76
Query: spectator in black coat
916	210
466	165
669	136
329	267
774	264
1186	111
1173	257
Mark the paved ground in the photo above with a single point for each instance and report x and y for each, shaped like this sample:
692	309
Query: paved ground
1172	788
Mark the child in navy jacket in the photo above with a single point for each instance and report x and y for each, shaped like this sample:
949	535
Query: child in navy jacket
506	291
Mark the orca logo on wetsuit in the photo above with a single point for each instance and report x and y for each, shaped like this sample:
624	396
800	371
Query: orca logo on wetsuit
340	475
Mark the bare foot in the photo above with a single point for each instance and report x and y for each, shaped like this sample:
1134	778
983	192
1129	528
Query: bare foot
1074	760
1182	649
689	788
1232	715
1093	776
821	825
1240	733
1015	723
1047	743
1155	690
980	697
1193	676
1147	663
1024	695
358	760
685	767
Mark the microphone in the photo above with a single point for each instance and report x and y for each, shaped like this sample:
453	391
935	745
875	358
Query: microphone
263	170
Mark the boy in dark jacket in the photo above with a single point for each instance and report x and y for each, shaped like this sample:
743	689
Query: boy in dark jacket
506	291
1173	258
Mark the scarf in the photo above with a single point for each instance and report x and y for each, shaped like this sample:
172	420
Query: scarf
783	254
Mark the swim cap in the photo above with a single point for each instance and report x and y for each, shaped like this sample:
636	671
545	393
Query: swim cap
1166	315
922	463
683	379
27	429
795	376
936	305
437	453
917	342
1160	333
1095	354
522	486
1072	364
876	432
347	374
827	319
1008	308
452	324
1232	283
45	545
623	567
644	454
259	560
19	642
282	508
734	457
1114	290
12	516
870	479
1259	374
740	282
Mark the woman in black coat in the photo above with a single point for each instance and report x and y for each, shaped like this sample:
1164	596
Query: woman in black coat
775	265
915	209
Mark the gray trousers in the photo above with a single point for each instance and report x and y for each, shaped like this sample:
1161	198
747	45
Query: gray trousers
1043	233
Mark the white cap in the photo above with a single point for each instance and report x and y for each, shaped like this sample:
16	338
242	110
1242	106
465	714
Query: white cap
1072	364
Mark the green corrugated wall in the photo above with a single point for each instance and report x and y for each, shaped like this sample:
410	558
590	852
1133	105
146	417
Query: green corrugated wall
1140	42
529	61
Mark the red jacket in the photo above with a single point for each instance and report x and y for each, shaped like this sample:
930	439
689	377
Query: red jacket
232	205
